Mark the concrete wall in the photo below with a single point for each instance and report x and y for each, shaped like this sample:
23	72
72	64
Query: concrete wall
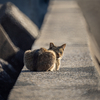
34	9
91	12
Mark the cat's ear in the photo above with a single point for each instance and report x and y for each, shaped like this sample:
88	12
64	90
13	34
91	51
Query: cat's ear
63	46
51	45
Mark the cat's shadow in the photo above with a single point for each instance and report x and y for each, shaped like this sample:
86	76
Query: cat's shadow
25	71
79	69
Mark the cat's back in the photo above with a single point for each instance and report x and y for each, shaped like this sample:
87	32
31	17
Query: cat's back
40	59
30	59
46	60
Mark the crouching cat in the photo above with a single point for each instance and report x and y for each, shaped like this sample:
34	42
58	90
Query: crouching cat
44	59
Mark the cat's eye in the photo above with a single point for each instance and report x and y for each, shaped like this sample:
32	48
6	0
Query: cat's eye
61	52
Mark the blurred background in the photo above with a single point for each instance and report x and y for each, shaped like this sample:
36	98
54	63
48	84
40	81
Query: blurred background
74	22
34	9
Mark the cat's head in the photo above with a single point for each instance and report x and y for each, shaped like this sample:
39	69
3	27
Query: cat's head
59	50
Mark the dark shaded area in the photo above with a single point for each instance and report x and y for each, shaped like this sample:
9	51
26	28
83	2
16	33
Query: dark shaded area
19	36
89	69
17	62
8	76
34	9
18	29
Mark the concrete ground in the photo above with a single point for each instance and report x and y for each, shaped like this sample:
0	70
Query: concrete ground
76	79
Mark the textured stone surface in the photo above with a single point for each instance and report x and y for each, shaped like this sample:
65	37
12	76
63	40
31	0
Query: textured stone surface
76	79
91	11
7	48
34	9
18	26
9	52
6	82
8	77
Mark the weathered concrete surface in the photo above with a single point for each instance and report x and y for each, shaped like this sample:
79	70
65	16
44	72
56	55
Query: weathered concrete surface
91	11
7	48
76	80
10	53
6	80
34	9
21	30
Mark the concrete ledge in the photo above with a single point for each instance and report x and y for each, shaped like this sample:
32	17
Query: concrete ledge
18	26
91	11
76	78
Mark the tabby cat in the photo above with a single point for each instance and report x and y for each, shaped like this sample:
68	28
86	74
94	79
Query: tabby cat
44	59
